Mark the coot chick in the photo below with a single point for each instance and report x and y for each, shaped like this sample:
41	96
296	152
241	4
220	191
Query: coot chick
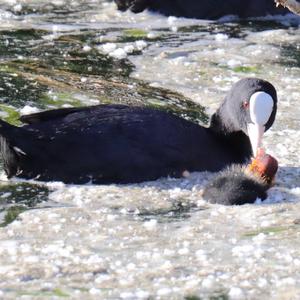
240	185
204	9
122	144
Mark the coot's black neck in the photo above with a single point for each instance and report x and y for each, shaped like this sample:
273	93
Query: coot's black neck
237	142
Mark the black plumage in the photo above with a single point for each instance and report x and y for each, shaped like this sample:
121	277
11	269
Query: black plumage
235	187
204	9
123	144
239	184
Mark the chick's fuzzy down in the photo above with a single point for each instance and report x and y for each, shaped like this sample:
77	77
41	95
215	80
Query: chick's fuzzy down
239	185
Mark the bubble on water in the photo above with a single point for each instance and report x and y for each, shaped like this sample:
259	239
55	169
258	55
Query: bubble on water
86	48
236	293
27	109
119	53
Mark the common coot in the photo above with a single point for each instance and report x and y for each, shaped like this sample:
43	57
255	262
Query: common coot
124	144
204	9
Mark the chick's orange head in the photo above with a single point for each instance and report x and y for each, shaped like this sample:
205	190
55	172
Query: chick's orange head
264	165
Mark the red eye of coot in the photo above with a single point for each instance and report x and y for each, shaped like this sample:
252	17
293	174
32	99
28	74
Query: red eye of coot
245	104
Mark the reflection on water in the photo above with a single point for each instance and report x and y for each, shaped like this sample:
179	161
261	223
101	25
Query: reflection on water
16	198
157	239
291	55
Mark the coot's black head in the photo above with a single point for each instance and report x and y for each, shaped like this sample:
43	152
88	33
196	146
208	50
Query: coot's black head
250	106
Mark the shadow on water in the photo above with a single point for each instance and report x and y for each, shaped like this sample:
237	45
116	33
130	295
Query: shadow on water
235	29
290	55
18	197
218	295
179	211
288	177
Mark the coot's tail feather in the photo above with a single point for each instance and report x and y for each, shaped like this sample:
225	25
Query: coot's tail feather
4	125
12	134
6	130
8	151
9	147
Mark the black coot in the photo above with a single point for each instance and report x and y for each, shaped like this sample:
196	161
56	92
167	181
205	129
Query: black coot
239	185
123	144
204	9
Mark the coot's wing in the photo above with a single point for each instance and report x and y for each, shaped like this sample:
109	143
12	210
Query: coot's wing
111	144
60	113
56	128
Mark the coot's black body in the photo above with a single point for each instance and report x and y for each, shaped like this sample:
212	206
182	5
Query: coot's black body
114	143
122	144
204	9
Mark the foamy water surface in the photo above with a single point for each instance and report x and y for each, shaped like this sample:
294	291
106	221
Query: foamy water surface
155	240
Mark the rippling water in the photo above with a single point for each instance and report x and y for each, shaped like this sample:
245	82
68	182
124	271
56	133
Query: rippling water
156	239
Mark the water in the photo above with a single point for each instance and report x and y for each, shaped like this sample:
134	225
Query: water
157	239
